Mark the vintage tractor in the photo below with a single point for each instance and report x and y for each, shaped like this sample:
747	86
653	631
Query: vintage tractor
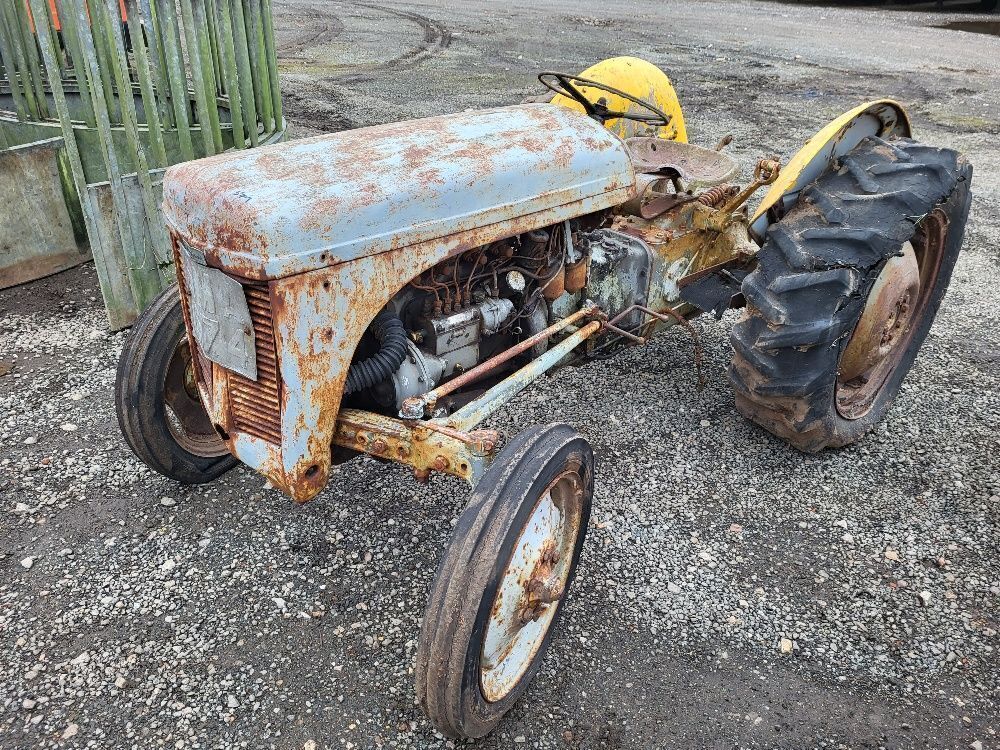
383	291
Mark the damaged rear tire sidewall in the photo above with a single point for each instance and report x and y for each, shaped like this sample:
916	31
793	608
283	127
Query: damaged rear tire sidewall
789	385
955	208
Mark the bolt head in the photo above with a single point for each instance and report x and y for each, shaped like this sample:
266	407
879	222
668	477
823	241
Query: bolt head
413	408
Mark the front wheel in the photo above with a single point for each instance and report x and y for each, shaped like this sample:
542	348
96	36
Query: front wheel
159	409
846	288
499	590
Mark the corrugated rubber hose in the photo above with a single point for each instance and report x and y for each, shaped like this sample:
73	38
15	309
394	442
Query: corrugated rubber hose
388	330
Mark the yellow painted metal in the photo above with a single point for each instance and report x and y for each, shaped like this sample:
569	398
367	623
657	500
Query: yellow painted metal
883	117
640	79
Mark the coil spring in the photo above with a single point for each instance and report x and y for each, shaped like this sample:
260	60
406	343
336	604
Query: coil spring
717	195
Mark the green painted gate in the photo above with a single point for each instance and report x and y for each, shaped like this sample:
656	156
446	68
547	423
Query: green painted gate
97	98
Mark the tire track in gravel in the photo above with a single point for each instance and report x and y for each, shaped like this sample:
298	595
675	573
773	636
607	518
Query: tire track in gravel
316	44
435	38
324	28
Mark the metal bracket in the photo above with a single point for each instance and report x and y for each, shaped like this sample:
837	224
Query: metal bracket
667	315
424	446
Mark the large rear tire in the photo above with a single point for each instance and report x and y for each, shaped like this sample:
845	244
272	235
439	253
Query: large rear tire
846	288
159	409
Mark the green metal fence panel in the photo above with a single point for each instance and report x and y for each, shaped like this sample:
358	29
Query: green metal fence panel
118	90
145	73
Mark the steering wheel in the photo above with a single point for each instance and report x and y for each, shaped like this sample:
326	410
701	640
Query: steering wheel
563	83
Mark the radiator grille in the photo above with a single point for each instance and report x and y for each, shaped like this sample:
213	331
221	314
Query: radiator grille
255	407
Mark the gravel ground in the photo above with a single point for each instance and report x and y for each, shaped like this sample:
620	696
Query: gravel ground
733	592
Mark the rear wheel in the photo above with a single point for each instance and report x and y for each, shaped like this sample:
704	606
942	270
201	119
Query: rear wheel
159	408
499	590
846	288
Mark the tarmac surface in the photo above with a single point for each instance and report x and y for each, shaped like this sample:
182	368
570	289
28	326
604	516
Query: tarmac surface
733	592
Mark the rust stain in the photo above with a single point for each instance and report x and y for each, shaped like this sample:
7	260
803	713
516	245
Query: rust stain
321	215
318	316
539	589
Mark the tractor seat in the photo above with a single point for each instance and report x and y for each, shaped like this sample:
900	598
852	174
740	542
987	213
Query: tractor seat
697	167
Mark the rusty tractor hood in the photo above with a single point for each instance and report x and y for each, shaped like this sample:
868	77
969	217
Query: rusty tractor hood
297	206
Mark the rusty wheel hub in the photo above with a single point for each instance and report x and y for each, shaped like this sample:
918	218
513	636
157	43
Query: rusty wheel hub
186	417
895	305
532	586
544	587
886	316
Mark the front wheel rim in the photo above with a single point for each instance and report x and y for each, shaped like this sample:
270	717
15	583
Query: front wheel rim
185	415
895	308
532	587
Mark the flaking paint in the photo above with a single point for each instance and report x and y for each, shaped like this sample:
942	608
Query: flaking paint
306	205
341	223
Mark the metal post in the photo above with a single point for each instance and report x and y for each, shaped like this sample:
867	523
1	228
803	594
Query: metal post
229	61
72	149
197	75
96	33
10	68
158	67
208	74
272	62
245	78
14	39
142	66
167	21
143	276
258	67
212	13
71	35
27	43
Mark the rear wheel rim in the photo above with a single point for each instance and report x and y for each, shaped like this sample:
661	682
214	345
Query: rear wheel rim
532	586
186	417
897	304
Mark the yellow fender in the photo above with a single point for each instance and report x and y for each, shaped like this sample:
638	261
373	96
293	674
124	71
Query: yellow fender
641	79
884	118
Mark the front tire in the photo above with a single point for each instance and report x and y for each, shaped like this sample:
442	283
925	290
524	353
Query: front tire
498	592
159	409
846	288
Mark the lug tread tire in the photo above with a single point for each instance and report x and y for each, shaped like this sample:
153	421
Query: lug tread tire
139	396
814	273
447	677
